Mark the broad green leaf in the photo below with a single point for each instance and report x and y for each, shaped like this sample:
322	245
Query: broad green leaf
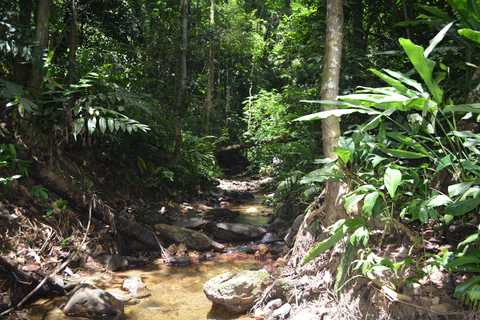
470	34
438	200
369	203
423	215
408	141
325	174
376	159
461	207
347	144
328	113
79	125
458	189
91	125
403	78
391	81
102	123
436	40
460	261
436	11
342	153
444	162
351	200
471	107
392	179
423	66
111	124
402	154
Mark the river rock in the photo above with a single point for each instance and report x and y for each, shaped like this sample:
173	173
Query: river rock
282	312
86	299
112	261
237	231
193	239
223	214
191	223
236	291
134	285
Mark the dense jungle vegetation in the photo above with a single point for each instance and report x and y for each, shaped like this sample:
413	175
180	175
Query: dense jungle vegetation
163	97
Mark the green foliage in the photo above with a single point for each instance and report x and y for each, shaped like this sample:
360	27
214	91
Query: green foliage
39	191
9	159
412	124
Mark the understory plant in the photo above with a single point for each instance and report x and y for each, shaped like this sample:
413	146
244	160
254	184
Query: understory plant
393	161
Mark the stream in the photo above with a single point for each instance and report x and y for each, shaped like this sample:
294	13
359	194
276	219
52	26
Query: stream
173	293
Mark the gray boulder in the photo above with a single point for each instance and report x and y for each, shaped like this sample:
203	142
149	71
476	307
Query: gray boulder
237	291
193	239
237	231
86	299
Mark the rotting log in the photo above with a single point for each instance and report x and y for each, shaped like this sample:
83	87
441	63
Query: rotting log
62	183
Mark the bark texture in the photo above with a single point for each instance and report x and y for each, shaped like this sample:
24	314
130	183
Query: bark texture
330	86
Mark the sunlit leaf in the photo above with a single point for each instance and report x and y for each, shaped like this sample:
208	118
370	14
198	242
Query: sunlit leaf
392	179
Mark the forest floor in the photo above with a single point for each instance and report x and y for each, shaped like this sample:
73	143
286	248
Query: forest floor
37	232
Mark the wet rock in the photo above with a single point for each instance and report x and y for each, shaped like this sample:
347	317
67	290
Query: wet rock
178	261
134	285
237	232
236	291
191	223
282	312
223	214
86	299
292	232
270	237
272	305
112	261
277	248
218	247
193	239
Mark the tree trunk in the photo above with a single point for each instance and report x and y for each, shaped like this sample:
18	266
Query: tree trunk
36	76
210	68
330	86
71	63
332	207
20	67
180	108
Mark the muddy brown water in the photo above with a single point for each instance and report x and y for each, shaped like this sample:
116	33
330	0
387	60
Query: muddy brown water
173	293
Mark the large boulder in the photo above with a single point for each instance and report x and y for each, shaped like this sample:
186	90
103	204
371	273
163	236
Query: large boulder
237	291
86	299
237	232
193	239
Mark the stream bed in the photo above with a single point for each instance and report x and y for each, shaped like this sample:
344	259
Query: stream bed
173	293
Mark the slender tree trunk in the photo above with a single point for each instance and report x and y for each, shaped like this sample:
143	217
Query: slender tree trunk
71	64
36	76
330	86
20	67
210	68
180	108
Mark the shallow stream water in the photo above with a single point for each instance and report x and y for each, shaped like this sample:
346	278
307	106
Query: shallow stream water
174	293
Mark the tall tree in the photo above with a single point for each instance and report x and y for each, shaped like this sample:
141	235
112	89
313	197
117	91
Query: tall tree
210	70
330	86
36	76
180	107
